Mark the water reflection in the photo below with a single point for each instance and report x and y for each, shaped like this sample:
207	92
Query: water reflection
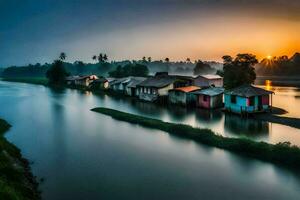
86	155
208	116
245	126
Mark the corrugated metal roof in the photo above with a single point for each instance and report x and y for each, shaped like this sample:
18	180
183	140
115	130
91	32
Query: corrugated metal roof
248	91
187	89
71	78
158	81
210	76
120	80
135	81
212	91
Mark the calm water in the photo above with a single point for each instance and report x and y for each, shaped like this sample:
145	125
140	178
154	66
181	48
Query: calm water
85	155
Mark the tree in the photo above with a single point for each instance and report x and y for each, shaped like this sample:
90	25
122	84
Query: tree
130	70
239	71
167	60
202	68
149	59
102	58
79	67
144	59
105	58
188	60
57	74
62	56
94	57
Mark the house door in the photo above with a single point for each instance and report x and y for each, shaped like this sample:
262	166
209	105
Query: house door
259	102
133	92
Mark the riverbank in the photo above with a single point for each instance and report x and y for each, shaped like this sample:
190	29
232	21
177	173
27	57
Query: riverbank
31	80
282	154
16	179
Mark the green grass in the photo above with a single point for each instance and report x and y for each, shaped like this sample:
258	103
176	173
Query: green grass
282	153
32	80
16	181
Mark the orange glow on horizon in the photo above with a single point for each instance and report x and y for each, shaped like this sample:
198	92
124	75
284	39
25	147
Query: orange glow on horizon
197	39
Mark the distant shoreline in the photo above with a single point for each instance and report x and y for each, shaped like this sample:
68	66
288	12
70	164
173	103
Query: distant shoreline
286	81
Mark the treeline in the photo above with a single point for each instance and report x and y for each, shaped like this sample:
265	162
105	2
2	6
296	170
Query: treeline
279	66
76	68
102	66
130	70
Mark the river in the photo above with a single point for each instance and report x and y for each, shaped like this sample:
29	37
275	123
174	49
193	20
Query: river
86	155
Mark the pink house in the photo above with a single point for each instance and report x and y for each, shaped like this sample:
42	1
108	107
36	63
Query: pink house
209	98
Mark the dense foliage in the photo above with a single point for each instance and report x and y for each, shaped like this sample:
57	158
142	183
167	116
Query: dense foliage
57	73
282	153
101	67
239	70
36	70
203	68
130	70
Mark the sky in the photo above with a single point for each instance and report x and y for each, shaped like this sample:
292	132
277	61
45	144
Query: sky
34	31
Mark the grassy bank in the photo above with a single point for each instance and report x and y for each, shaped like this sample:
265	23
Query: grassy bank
32	80
16	180
281	154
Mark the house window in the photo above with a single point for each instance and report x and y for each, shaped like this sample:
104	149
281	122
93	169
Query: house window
154	91
233	99
251	101
205	98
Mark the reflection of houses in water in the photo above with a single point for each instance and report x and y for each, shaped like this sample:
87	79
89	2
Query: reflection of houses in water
147	108
178	112
245	126
211	116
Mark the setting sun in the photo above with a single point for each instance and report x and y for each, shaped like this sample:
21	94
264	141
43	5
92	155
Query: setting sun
269	57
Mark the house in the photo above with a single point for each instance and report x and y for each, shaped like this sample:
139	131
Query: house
209	98
182	95
81	80
208	80
248	99
119	84
110	80
70	80
100	84
157	87
132	85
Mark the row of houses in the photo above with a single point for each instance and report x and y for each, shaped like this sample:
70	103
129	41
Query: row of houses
205	91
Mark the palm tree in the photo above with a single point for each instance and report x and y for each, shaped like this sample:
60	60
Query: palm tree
149	59
94	57
100	58
62	56
144	59
167	60
105	58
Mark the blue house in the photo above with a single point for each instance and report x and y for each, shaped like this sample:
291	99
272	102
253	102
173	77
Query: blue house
248	99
